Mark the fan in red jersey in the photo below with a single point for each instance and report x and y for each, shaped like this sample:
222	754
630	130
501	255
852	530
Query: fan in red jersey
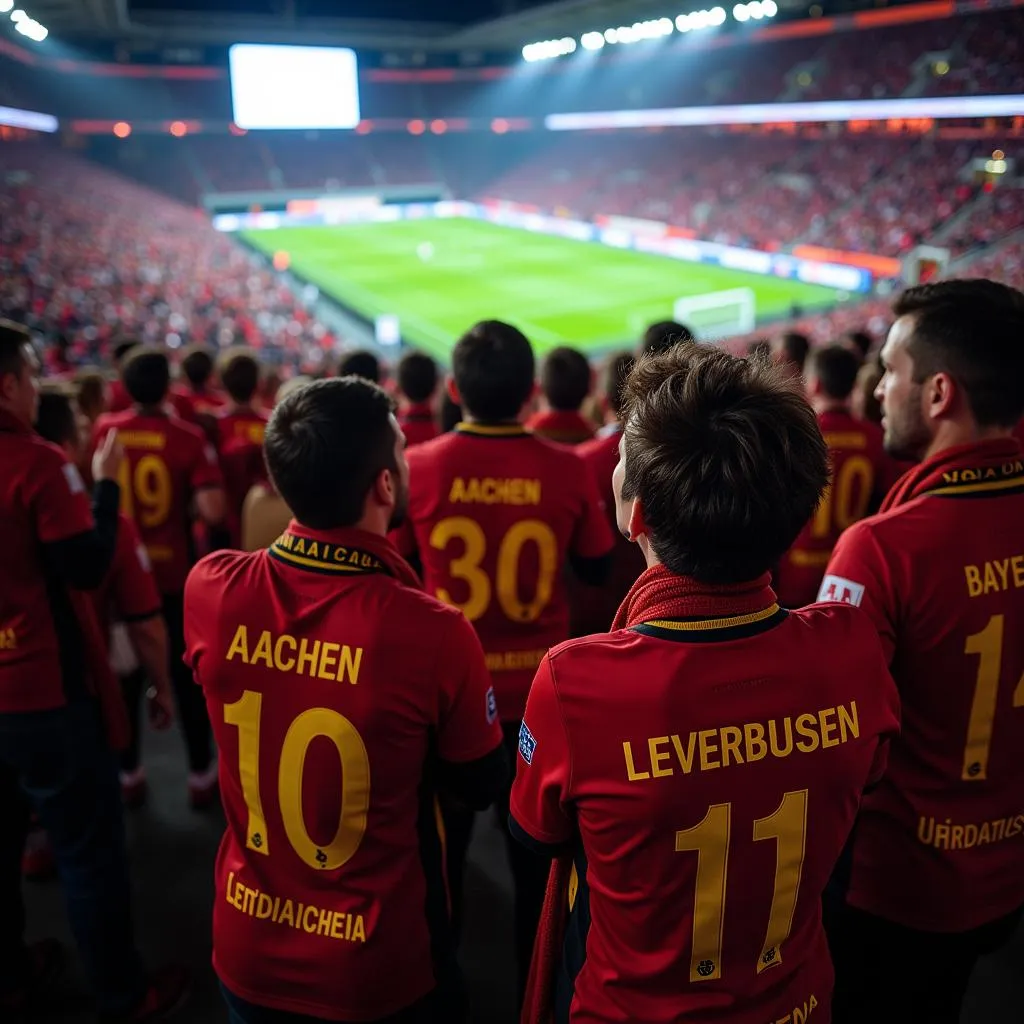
168	467
119	399
702	764
592	609
195	398
565	381
494	516
342	697
936	878
860	475
240	429
417	387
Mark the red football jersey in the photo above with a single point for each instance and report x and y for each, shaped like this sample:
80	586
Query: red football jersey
42	499
329	880
241	459
494	514
119	399
565	427
418	423
189	404
938	844
861	474
593	608
128	592
707	774
166	462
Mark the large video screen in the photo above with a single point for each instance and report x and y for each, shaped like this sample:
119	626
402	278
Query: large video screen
299	87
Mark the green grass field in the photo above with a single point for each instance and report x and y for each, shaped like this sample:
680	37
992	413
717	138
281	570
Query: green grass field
555	290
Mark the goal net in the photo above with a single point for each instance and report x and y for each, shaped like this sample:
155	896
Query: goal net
718	314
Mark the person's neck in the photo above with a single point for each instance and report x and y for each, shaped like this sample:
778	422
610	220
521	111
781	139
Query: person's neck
11	411
239	408
488	422
149	410
954	434
822	404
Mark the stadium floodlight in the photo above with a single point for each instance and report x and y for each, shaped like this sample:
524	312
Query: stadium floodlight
769	8
740	12
6	5
18	16
31	29
548	49
592	40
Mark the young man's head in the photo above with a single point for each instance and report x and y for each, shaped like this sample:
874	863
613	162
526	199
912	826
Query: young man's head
417	377
93	394
662	336
360	363
197	366
954	362
493	371
240	375
57	421
721	464
864	402
336	455
146	375
614	376
831	374
19	372
858	342
565	379
789	350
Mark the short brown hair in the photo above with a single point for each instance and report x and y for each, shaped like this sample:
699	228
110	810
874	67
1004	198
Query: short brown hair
565	378
13	339
197	364
726	458
240	374
92	390
835	368
616	372
974	331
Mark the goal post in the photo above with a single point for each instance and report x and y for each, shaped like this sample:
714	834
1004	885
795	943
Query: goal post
718	315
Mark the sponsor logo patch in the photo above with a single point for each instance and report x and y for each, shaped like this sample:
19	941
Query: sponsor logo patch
75	485
838	588
527	744
492	707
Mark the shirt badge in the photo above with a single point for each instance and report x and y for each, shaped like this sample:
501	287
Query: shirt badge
527	744
492	707
838	588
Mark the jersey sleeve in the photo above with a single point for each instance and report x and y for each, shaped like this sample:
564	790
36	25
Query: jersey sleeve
858	574
60	500
205	469
133	587
592	536
468	726
539	802
200	617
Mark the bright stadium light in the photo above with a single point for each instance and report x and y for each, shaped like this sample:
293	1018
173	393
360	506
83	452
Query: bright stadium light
19	16
592	40
548	49
739	12
769	8
6	5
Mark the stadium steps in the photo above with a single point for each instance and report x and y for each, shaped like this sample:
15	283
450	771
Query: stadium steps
966	261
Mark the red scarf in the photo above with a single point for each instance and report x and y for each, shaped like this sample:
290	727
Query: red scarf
100	678
657	594
345	549
998	457
660	594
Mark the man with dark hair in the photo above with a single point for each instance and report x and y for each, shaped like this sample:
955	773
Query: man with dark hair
860	475
127	602
565	382
324	646
494	515
593	608
195	398
696	764
169	469
240	430
664	335
789	350
858	342
360	363
417	385
935	878
119	399
60	709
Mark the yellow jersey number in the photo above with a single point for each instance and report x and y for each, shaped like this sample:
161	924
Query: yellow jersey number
467	566
710	839
842	506
145	490
988	646
245	715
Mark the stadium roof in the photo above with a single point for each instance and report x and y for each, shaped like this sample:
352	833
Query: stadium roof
371	24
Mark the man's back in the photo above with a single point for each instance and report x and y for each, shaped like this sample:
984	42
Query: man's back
320	666
166	462
494	513
861	473
943	578
716	769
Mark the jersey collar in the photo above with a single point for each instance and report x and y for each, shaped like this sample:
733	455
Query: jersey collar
714	630
11	424
491	429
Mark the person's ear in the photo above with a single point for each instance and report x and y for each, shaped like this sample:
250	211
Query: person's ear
940	393
637	526
453	390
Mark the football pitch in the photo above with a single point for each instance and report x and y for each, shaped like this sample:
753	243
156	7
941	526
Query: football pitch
439	277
